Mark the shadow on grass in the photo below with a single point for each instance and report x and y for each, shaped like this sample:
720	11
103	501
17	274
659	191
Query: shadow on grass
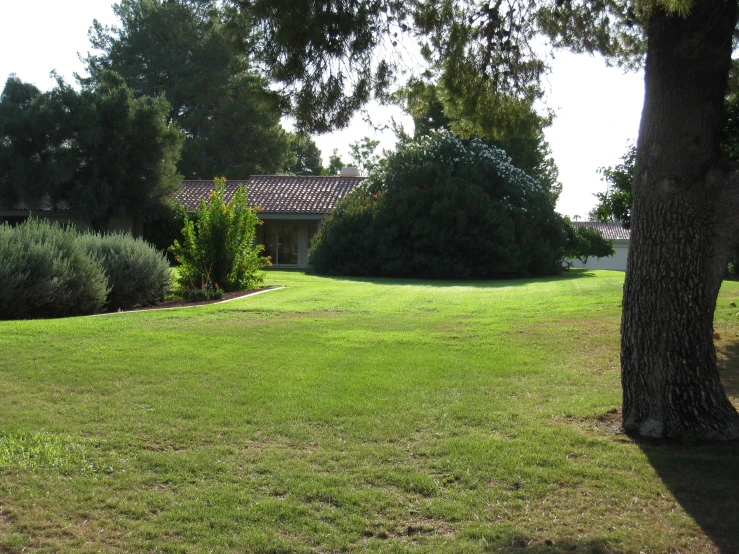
490	283
704	478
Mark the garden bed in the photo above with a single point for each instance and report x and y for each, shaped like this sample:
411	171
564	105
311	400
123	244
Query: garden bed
233	295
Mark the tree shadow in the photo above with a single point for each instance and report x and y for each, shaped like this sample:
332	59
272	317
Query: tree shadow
489	283
704	477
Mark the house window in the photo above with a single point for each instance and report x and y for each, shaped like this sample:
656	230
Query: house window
281	242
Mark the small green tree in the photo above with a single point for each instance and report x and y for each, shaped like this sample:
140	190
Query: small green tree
305	156
584	242
335	163
363	154
615	203
218	250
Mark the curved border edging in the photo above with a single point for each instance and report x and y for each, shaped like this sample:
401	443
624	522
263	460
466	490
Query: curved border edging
196	306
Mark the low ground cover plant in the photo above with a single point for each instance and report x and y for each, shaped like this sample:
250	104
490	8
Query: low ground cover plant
218	252
48	270
440	207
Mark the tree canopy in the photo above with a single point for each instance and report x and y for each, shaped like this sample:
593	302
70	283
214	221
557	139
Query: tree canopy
433	108
362	153
186	51
306	157
335	163
100	149
615	203
584	242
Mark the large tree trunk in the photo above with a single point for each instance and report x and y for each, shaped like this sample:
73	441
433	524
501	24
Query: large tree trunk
684	222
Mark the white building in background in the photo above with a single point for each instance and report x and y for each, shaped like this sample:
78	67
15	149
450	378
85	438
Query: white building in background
619	238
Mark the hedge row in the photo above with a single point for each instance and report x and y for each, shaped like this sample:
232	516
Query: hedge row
52	271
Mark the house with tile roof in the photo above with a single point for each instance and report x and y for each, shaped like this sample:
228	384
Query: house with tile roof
291	209
619	237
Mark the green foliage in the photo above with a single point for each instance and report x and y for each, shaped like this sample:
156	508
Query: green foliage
301	41
332	57
45	272
138	274
306	159
99	149
363	154
42	451
165	226
584	242
615	203
335	163
187	52
732	270
505	123
441	208
730	136
218	249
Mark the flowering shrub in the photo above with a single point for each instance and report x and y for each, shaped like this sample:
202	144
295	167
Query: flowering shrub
220	246
208	290
442	208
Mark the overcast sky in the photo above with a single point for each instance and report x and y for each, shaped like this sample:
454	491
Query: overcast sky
597	108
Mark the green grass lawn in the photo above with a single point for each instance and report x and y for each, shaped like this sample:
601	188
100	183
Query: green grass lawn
347	415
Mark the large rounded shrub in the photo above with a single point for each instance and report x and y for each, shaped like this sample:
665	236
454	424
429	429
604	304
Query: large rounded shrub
442	208
45	272
138	274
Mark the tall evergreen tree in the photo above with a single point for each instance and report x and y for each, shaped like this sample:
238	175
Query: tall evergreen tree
184	51
100	149
306	157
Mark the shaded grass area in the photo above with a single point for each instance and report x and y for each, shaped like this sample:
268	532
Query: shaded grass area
355	415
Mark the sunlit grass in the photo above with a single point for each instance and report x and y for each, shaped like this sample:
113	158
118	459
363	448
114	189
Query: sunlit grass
41	451
354	415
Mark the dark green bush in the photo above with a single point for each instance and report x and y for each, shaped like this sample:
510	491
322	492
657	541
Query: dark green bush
219	251
138	274
445	209
44	272
165	226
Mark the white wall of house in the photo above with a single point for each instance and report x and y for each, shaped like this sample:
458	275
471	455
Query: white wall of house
616	262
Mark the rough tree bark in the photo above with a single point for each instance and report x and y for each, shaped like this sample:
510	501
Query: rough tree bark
684	224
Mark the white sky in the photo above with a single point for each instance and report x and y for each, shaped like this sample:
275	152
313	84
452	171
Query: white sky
597	108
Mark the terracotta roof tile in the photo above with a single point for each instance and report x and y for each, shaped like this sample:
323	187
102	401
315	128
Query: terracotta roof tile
277	194
610	231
